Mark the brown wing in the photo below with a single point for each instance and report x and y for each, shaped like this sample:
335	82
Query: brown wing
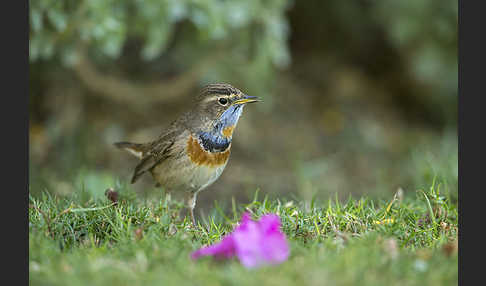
156	152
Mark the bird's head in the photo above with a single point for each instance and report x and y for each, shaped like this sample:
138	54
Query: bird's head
219	107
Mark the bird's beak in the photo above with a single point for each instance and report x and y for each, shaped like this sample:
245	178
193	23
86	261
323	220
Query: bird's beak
247	99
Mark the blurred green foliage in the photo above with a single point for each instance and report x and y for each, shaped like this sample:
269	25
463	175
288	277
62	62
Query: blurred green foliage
426	32
252	32
359	96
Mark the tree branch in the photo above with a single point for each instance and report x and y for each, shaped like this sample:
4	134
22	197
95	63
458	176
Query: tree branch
123	91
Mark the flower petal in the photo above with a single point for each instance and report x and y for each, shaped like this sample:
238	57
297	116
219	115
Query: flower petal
224	249
274	245
247	238
254	243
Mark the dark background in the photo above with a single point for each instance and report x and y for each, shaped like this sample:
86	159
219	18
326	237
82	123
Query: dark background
360	97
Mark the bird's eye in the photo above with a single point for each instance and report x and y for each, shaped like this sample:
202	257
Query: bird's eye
223	101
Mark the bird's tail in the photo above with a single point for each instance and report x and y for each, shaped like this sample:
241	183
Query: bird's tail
135	149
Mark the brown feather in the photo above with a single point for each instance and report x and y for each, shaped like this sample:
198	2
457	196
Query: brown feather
135	149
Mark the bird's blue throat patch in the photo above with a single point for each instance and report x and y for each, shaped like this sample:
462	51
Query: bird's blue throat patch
218	140
213	143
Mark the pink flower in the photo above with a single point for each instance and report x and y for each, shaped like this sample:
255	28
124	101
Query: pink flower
255	243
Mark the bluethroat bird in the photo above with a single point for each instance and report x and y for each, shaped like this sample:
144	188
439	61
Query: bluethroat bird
193	151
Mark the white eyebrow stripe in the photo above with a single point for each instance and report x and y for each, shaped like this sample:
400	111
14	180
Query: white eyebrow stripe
216	97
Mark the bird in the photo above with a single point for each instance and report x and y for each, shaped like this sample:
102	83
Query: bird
192	152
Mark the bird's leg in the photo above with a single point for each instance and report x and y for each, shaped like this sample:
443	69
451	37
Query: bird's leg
191	203
168	200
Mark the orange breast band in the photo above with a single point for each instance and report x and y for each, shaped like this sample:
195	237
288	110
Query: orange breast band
200	156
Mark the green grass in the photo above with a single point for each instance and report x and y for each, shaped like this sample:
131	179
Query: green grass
78	240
